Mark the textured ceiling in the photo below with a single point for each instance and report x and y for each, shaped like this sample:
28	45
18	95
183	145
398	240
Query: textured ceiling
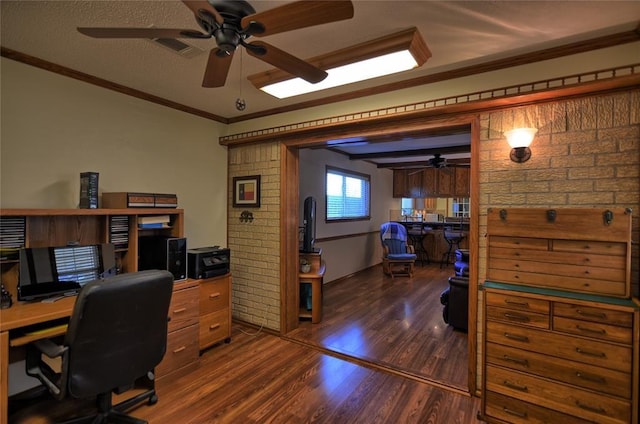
458	33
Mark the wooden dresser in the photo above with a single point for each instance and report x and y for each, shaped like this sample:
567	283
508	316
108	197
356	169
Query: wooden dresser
215	310
561	330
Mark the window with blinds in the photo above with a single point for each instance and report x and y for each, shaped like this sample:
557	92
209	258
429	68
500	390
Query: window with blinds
80	264
347	195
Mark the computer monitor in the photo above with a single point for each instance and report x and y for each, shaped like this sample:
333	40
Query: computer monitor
54	271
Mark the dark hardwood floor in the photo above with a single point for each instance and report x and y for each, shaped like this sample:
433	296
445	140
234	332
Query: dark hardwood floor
392	323
264	378
382	354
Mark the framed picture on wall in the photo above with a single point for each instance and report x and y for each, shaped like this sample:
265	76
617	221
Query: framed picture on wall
246	191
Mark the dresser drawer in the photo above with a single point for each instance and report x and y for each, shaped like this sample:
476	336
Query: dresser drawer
592	352
513	410
183	310
214	327
182	350
583	375
570	400
520	303
214	295
594	314
595	330
529	319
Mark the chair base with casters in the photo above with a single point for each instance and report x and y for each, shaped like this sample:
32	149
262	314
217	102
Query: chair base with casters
455	299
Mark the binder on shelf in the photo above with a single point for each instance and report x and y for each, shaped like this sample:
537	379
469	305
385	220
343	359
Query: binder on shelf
154	219
89	190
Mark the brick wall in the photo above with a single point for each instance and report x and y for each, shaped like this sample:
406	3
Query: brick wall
255	246
586	154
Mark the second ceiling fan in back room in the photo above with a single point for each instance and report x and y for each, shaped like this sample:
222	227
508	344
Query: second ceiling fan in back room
231	23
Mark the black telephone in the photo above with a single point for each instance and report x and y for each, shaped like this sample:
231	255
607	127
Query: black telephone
6	301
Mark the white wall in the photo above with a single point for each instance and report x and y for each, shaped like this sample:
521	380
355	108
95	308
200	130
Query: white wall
346	256
54	127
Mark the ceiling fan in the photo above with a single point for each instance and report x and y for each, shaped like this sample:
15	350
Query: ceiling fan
232	22
438	162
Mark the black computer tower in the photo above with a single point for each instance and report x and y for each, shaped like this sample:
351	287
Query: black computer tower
166	253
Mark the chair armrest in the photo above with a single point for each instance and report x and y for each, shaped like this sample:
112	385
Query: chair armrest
49	348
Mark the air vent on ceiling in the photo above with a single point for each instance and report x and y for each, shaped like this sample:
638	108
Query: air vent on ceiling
180	47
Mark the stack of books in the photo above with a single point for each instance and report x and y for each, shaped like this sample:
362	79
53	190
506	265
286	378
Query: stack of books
155	221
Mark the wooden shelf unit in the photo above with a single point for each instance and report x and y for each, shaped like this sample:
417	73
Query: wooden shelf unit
59	227
315	278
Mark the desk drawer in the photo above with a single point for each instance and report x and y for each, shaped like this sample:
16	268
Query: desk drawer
526	318
567	399
586	351
182	350
594	314
214	327
595	330
513	410
214	295
583	375
183	310
519	303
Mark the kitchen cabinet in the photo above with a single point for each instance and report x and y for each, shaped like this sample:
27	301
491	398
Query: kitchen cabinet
431	182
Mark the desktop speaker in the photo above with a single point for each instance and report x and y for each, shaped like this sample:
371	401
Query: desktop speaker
166	253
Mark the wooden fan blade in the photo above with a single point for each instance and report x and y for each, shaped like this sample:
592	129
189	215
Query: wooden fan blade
197	5
299	14
141	33
218	64
288	63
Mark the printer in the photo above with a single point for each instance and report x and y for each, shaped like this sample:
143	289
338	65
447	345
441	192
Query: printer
207	262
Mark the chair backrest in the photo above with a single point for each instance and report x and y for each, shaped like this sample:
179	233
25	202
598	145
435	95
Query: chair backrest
117	332
394	237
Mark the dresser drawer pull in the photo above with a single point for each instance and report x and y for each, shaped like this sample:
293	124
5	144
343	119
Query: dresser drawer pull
214	295
600	315
591	330
177	311
516	360
515	386
516	303
516	317
517	337
214	326
591	377
516	413
588	353
180	349
596	409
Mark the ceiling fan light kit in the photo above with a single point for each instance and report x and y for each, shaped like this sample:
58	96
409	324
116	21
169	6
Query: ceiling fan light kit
231	23
387	55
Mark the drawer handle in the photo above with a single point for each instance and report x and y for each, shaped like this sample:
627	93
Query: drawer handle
516	303
516	317
596	409
600	315
517	337
177	311
180	349
214	295
214	326
516	413
515	386
589	353
516	360
591	330
591	377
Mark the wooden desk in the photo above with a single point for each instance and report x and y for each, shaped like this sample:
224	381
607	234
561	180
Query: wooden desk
20	315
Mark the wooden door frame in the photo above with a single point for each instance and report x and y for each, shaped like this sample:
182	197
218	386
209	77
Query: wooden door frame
289	199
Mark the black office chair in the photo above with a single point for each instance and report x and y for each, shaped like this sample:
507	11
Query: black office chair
117	334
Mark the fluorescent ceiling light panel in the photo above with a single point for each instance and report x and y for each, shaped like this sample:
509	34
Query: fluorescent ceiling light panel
384	56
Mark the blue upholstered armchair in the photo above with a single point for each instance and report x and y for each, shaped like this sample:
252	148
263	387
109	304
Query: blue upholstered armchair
398	256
